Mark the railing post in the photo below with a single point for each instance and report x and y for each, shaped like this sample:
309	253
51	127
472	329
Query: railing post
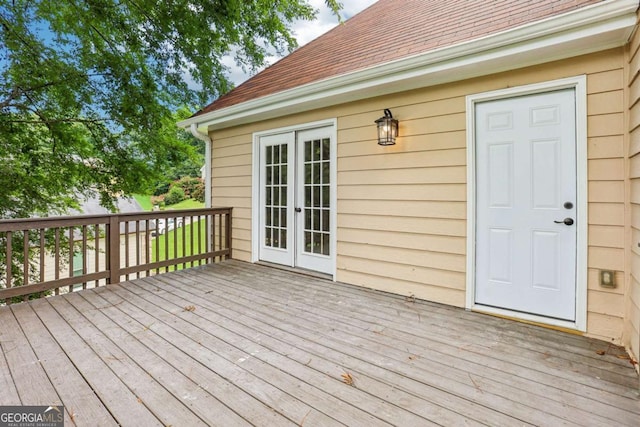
228	233
113	237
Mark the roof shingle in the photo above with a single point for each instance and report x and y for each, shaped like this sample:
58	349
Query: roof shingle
390	30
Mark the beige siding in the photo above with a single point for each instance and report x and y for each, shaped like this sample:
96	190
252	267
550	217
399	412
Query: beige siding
632	294
402	209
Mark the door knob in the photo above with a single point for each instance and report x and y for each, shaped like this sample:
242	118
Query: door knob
298	209
566	221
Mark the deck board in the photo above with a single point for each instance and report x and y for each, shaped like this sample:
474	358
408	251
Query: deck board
80	401
237	344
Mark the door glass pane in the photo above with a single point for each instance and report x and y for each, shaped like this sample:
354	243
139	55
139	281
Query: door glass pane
326	149
325	244
307	219
276	196
268	192
307	241
307	151
325	173
283	238
307	173
326	192
325	220
317	194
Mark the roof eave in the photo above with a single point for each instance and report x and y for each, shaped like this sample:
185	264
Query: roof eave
594	28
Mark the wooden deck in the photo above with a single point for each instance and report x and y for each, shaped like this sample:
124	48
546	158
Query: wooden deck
241	344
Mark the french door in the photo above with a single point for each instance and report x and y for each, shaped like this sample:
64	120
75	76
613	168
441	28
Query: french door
296	193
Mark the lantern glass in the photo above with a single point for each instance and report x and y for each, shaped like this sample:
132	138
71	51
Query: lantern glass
387	129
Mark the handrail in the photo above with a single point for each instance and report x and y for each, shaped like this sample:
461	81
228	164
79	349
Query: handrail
64	254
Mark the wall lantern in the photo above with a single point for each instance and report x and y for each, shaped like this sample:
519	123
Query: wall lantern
387	129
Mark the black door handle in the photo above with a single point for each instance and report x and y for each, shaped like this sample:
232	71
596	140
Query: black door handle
298	209
566	221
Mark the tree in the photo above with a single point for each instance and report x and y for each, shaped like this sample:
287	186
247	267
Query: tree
89	88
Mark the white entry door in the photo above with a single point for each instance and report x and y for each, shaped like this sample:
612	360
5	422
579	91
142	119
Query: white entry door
526	204
296	195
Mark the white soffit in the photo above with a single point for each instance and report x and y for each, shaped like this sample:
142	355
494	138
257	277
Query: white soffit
590	29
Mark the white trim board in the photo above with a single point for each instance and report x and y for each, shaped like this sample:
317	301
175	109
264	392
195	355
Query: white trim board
255	183
589	29
579	83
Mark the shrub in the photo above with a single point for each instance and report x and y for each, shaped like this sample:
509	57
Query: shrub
157	200
175	195
161	188
198	192
188	184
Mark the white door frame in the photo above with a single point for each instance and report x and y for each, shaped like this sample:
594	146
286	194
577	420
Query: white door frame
255	184
579	84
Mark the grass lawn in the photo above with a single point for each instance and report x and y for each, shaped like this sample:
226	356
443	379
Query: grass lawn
187	204
171	237
144	200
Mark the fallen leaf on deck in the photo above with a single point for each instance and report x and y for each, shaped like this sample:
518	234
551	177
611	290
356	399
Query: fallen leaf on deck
190	308
413	357
623	356
347	379
601	352
410	299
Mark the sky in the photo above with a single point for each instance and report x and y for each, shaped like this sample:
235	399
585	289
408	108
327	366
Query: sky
306	31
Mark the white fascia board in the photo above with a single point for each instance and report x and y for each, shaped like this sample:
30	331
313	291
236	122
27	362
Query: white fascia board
590	29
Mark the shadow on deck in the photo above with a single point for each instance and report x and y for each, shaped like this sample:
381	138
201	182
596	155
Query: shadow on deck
239	344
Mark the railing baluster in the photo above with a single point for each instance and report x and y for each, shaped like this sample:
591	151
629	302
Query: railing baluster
220	234
84	254
42	250
166	243
157	244
228	220
97	254
9	253
184	240
71	255
137	247
175	240
199	238
206	235
146	246
57	256
126	247
192	226
25	266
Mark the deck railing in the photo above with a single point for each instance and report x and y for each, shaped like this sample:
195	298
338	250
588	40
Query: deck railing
43	256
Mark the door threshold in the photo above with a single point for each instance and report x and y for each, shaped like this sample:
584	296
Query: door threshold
533	319
298	270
